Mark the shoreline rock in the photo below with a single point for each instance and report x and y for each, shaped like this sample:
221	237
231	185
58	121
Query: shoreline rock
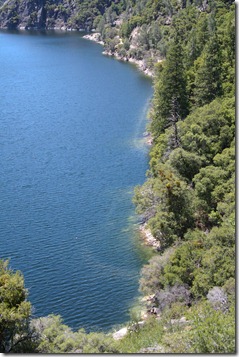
118	335
95	36
53	28
148	238
139	63
149	138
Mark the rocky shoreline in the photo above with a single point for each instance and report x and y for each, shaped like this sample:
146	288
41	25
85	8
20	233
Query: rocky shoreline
145	232
95	36
148	237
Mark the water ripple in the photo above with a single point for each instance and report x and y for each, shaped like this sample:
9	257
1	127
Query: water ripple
70	119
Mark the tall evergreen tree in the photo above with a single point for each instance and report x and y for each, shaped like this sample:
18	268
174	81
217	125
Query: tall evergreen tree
170	99
208	75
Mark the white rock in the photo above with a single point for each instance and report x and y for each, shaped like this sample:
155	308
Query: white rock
120	334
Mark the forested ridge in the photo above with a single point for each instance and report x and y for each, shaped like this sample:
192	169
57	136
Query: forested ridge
188	198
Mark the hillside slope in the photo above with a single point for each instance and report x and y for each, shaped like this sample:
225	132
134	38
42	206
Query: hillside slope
51	14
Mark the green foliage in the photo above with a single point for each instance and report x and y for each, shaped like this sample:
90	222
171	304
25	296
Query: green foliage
203	261
165	202
128	26
147	336
185	262
213	332
20	334
208	331
187	200
208	130
230	289
186	163
15	311
217	265
53	336
175	311
170	97
207	68
152	274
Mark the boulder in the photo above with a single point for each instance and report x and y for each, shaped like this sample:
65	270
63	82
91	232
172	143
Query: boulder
120	333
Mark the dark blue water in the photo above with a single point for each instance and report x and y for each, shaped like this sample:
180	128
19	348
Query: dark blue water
71	152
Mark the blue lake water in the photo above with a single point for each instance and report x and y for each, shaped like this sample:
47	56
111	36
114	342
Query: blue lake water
72	122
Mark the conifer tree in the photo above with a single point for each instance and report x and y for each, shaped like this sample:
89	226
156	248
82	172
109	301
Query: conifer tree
170	100
208	77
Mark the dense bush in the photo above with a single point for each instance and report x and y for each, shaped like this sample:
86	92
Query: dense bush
188	198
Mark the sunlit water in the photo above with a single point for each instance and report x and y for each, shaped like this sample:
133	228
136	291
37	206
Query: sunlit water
72	122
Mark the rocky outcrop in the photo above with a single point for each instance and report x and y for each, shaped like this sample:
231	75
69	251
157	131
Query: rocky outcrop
36	14
95	36
48	14
149	239
118	335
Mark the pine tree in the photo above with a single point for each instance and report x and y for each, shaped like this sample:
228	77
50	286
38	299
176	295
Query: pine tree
170	100
208	75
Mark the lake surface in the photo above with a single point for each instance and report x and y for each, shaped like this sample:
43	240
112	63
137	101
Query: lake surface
72	122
